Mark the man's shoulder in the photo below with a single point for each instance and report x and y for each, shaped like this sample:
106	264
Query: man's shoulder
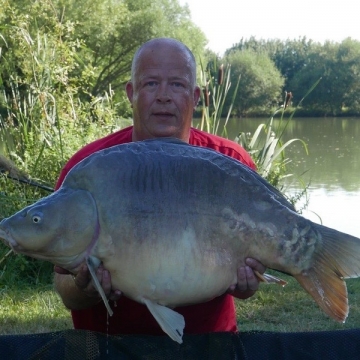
204	137
119	137
222	145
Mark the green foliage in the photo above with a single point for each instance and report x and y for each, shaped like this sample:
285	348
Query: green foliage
268	150
98	37
43	121
302	62
289	56
41	108
339	67
261	82
213	96
111	31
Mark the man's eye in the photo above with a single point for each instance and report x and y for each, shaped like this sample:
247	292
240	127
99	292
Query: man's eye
151	83
177	84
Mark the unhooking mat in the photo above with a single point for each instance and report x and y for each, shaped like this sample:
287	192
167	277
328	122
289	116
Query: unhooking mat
79	344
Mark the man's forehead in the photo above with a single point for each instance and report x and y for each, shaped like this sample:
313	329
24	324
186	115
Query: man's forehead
164	58
163	61
164	70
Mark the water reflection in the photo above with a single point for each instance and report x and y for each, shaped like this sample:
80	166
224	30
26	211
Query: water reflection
334	149
332	167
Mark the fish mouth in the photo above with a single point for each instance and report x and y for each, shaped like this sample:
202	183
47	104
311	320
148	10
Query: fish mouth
7	239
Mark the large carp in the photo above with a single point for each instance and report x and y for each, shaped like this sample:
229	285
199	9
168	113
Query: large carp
173	222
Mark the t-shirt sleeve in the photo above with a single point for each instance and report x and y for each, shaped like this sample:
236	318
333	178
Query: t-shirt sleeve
120	137
222	145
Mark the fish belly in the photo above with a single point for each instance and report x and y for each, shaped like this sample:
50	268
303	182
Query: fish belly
172	267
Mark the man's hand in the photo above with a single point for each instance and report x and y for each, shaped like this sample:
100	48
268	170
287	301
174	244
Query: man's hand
78	291
247	281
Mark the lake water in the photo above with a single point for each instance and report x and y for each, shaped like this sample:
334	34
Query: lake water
332	167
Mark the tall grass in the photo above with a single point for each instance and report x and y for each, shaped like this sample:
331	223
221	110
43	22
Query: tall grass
43	119
43	122
32	310
213	96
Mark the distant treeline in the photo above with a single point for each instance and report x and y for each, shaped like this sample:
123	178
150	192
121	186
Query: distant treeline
300	63
85	47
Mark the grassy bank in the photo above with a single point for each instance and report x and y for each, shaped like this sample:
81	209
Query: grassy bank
30	310
291	309
38	309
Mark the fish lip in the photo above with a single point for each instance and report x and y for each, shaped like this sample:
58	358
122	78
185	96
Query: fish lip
7	238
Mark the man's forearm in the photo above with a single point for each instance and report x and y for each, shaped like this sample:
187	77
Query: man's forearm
72	297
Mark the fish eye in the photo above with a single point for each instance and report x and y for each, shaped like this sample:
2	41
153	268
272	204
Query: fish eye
36	219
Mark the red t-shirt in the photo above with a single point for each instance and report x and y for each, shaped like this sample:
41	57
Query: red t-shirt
131	317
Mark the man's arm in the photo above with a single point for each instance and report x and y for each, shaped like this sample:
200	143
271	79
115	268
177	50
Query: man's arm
78	292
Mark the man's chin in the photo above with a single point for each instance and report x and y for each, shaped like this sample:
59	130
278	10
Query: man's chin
181	135
163	131
166	131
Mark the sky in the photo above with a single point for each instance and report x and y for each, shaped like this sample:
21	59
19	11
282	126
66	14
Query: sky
225	22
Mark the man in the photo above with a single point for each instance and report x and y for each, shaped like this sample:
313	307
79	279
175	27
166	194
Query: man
163	95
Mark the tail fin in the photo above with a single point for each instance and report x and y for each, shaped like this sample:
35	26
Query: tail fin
337	259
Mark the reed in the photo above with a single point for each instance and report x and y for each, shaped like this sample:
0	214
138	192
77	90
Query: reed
213	96
265	146
43	122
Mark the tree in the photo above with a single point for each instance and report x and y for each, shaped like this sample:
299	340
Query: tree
289	56
101	35
349	73
113	30
338	66
260	84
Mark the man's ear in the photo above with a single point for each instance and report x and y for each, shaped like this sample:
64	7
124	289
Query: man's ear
197	92
129	91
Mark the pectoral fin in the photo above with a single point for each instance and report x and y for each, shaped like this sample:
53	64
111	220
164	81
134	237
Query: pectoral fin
269	279
92	267
169	320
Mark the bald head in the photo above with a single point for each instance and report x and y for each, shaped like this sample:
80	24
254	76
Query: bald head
163	91
169	44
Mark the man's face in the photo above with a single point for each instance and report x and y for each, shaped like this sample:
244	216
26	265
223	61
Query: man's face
162	94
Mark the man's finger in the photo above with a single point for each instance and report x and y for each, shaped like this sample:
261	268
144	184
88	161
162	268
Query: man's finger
83	278
252	280
242	283
255	265
60	270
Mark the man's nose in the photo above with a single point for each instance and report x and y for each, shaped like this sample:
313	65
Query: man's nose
163	94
